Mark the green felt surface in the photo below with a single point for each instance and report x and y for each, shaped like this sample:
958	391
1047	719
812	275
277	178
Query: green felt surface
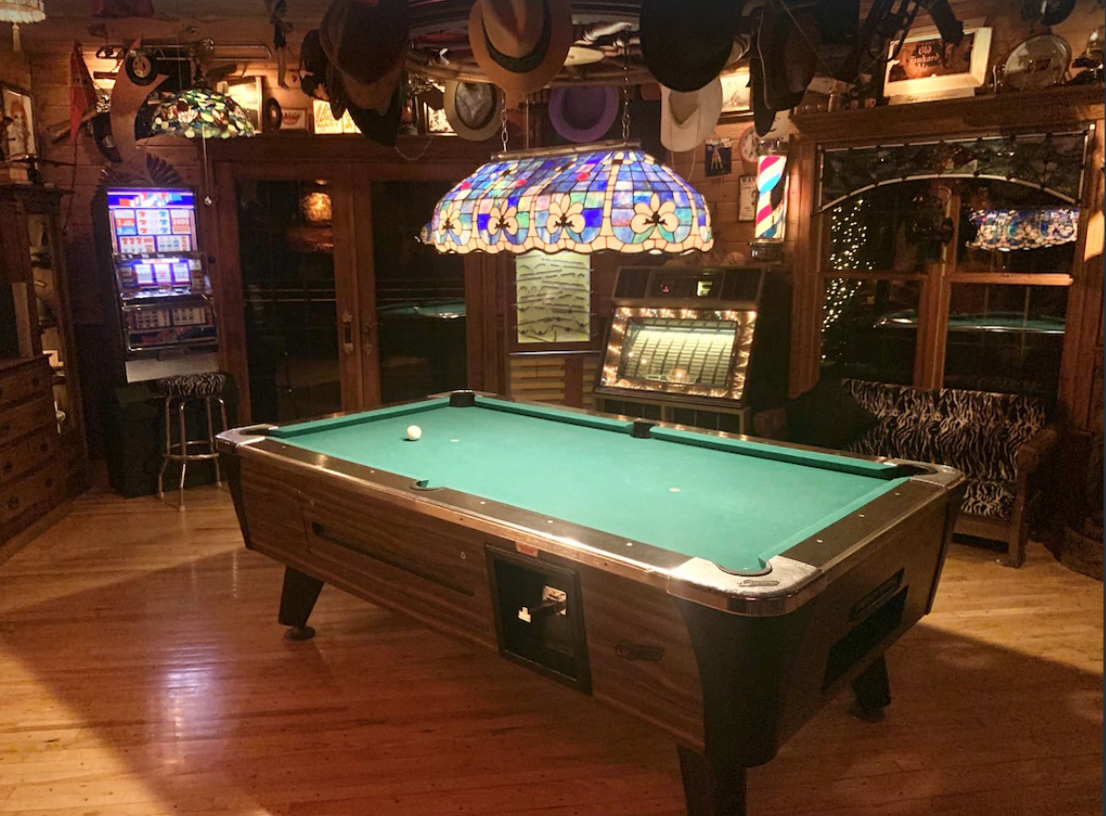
728	501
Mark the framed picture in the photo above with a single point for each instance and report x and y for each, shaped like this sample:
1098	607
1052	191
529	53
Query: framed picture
929	68
747	198
293	119
18	124
248	92
737	97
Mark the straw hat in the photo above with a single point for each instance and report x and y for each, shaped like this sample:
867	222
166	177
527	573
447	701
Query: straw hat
472	109
583	113
688	119
520	45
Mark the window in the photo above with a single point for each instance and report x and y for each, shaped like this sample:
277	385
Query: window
950	277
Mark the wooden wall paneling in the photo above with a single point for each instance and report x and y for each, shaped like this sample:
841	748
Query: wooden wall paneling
349	306
227	284
540	377
809	230
476	320
364	275
1082	342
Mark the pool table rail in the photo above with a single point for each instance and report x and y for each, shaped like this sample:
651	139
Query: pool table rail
790	579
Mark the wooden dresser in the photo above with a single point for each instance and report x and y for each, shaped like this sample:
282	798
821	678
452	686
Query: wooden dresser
32	482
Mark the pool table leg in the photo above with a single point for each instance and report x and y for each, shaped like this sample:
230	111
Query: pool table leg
873	691
297	599
712	789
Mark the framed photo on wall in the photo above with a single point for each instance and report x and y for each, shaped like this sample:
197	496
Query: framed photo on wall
18	126
929	68
737	98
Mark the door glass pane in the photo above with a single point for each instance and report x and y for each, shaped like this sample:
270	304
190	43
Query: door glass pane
870	329
287	261
1015	229
1006	338
420	296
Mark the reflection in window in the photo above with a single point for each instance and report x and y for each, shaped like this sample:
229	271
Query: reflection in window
1006	338
1014	230
899	228
870	329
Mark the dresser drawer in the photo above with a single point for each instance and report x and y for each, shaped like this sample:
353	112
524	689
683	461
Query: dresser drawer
26	454
40	488
23	383
26	419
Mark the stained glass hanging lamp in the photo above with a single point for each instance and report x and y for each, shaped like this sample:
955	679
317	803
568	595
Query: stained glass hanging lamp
201	112
584	198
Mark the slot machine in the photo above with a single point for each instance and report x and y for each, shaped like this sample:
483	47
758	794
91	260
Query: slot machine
163	292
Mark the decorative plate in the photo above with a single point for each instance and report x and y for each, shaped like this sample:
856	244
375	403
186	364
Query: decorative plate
1039	62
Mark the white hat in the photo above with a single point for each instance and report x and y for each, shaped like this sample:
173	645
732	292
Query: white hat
473	109
688	119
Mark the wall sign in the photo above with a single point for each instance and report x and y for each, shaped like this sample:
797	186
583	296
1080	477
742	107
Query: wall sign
929	68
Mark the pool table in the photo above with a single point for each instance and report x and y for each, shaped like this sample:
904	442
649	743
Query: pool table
721	588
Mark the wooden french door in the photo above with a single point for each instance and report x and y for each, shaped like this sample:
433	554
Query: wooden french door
295	284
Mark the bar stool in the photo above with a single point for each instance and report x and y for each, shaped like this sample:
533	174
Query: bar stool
181	392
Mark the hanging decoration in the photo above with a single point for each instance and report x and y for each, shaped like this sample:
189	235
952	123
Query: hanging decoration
201	112
1006	230
18	12
606	196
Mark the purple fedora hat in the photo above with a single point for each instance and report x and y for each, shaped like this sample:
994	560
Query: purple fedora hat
583	113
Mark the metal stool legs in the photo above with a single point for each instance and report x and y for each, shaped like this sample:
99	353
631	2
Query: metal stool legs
180	450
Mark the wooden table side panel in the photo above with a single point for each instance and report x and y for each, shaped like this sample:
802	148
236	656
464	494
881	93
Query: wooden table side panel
274	518
431	569
666	693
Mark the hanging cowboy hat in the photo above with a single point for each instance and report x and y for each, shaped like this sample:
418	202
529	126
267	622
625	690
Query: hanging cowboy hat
688	119
472	109
686	44
380	124
367	42
520	45
583	113
784	63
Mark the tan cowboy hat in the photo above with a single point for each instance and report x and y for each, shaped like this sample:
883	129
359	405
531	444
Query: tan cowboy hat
688	119
472	109
520	45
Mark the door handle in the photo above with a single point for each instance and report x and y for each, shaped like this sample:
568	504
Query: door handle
347	332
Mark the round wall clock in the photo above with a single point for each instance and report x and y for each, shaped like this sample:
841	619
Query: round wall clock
748	145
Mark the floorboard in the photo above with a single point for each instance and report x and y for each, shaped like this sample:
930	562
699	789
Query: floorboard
142	673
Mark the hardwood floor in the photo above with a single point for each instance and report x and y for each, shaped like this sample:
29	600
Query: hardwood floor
142	672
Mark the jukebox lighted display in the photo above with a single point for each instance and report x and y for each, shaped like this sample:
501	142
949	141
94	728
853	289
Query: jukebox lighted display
700	347
164	295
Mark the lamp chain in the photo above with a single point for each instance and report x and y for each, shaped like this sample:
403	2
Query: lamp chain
503	122
625	92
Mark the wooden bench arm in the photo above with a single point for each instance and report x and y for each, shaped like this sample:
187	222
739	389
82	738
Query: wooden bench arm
1033	453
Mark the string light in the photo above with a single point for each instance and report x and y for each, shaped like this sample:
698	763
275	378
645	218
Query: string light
849	234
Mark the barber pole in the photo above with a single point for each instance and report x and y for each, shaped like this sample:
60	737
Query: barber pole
771	198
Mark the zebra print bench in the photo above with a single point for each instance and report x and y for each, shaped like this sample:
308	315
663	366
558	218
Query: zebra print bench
999	442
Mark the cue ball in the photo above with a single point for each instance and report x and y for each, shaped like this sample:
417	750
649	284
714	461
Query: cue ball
414	432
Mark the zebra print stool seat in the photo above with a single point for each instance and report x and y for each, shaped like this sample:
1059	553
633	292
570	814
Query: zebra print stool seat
180	394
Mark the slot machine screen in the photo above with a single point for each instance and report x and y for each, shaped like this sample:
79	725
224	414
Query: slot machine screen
149	221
